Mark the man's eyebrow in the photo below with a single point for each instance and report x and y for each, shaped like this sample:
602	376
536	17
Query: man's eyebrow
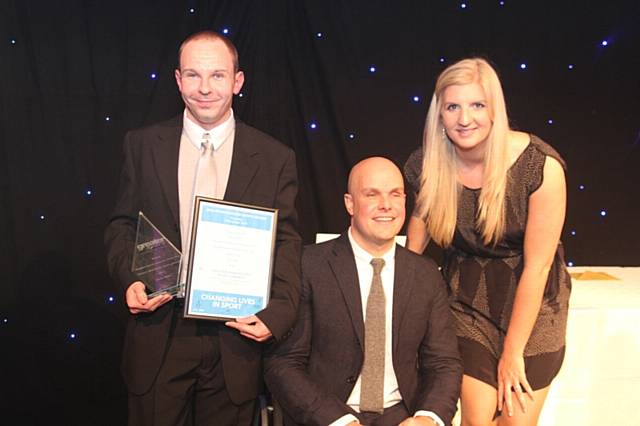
220	70
374	189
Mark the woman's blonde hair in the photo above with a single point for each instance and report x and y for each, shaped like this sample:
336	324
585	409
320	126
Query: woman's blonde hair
439	188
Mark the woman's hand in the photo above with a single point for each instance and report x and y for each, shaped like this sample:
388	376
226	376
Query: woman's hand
512	379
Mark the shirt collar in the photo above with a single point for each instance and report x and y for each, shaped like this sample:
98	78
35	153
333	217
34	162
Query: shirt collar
217	135
363	255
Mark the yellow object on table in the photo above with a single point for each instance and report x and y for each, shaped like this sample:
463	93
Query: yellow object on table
593	276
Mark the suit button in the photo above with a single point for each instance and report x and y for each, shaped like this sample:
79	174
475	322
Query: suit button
351	379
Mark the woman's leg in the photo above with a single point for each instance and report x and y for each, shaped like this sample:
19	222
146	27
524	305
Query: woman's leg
533	409
478	402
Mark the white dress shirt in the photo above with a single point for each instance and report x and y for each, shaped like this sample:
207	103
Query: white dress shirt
222	138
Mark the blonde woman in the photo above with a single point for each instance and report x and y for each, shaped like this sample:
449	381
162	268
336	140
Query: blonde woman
495	200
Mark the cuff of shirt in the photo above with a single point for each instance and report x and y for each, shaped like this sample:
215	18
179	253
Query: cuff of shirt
430	414
346	419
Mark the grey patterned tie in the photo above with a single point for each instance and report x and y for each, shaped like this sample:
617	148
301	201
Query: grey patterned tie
372	391
206	175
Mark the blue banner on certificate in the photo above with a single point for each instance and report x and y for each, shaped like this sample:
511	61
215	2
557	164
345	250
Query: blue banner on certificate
224	304
230	259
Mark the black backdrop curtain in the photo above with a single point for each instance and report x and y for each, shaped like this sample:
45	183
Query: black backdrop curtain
75	75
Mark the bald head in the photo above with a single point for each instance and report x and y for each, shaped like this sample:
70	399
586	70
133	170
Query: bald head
376	202
368	166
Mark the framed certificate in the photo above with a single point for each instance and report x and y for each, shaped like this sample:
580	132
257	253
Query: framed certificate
230	259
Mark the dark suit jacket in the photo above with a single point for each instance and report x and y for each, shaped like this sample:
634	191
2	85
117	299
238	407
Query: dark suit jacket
263	172
313	371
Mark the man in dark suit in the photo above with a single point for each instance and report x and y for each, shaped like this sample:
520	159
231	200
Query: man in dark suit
374	341
185	371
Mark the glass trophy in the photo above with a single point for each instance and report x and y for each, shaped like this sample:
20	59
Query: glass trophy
155	260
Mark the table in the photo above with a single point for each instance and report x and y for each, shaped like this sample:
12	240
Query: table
600	377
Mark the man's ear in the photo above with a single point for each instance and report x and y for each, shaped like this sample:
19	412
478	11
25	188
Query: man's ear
238	81
177	75
348	203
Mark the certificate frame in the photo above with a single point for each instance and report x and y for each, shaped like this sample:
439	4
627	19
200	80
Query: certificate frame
231	259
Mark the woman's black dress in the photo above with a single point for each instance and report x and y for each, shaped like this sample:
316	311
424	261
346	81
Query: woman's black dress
482	279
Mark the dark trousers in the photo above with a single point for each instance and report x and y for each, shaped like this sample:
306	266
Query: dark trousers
190	387
391	416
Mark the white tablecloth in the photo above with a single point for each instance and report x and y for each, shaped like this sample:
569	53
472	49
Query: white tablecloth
599	383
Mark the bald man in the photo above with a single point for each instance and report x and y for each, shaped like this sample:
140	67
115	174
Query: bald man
373	342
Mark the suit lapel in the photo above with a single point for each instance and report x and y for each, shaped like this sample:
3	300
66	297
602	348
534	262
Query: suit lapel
244	165
344	269
165	158
403	282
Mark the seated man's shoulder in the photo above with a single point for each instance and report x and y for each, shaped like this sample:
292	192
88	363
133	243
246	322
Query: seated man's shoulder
424	270
421	261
